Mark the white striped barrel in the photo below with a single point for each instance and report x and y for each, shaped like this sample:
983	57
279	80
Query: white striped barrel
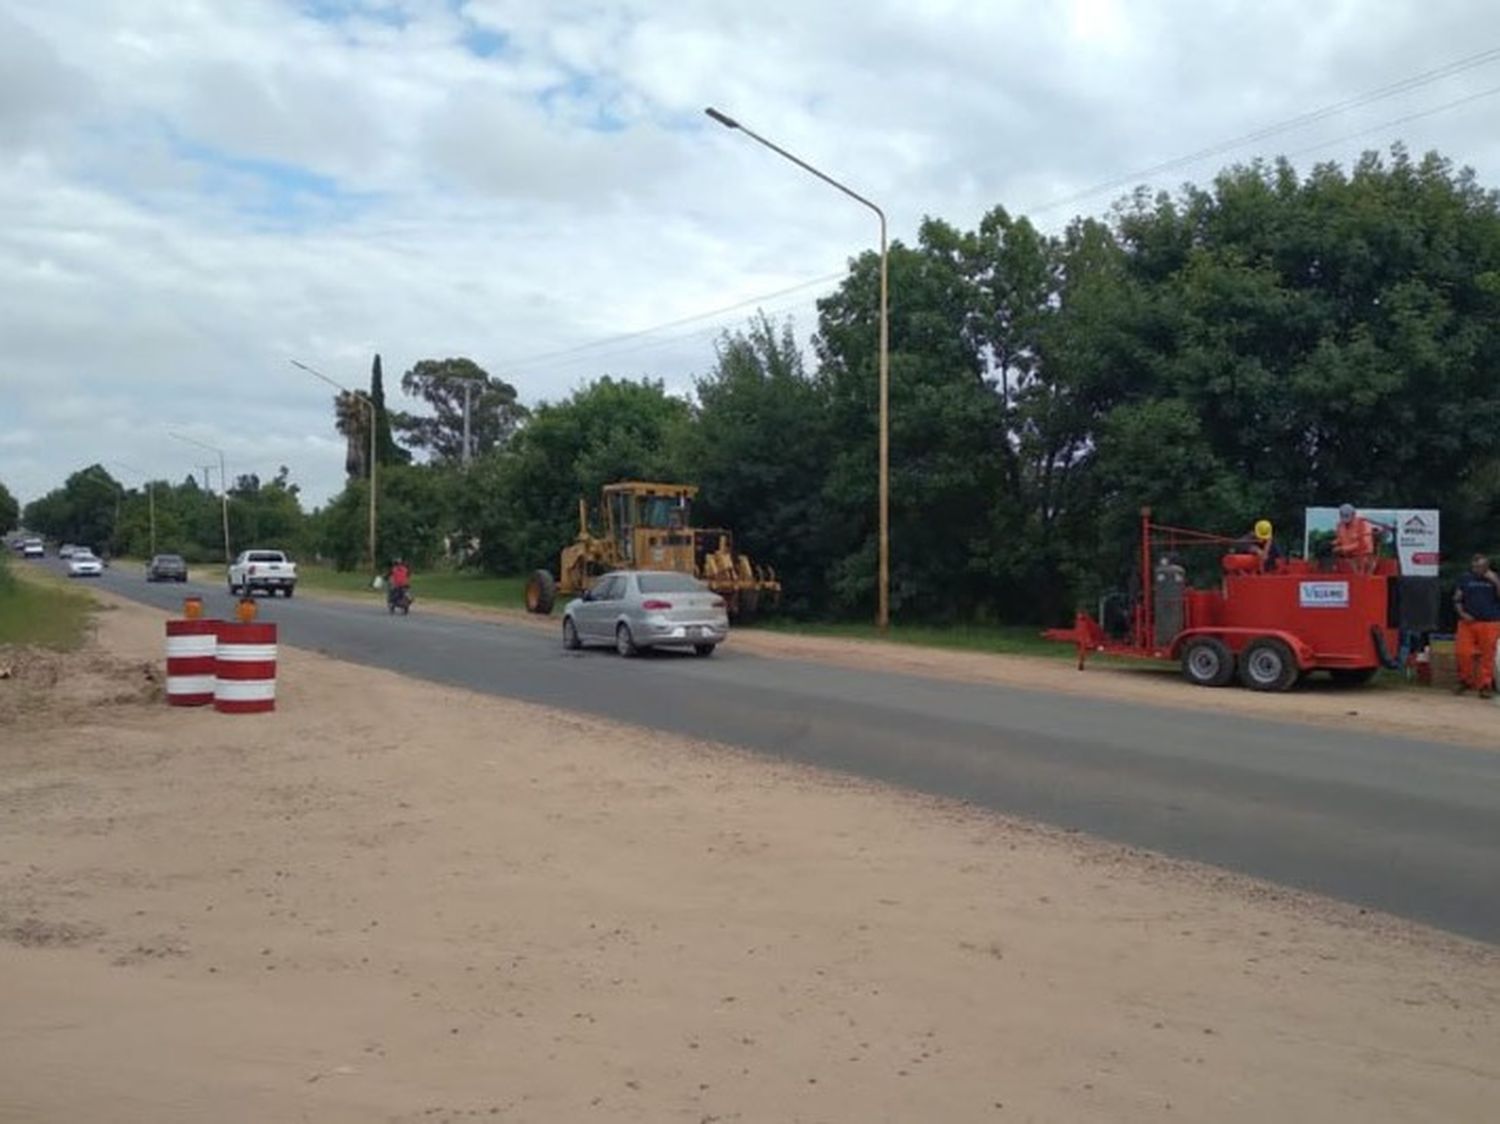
245	669
191	657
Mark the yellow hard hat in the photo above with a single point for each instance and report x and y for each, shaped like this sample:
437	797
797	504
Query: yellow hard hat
1263	529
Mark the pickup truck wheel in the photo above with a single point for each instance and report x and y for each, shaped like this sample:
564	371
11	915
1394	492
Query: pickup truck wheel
287	593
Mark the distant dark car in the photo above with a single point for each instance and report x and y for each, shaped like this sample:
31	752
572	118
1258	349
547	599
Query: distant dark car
166	568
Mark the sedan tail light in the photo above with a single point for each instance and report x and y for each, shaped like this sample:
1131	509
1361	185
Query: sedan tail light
655	606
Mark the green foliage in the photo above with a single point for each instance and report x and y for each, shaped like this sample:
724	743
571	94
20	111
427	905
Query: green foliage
10	510
494	413
522	504
413	518
386	449
85	510
1266	342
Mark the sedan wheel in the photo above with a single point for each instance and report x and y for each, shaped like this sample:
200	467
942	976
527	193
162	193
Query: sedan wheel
570	635
624	642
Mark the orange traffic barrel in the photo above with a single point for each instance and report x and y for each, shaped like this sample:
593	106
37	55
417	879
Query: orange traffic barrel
192	647
245	668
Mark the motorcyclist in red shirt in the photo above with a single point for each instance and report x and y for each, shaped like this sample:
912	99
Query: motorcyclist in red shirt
398	584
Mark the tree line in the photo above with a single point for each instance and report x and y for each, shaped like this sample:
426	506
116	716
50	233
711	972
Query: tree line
1223	353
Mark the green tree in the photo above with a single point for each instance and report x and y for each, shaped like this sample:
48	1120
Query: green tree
522	503
10	510
759	447
494	413
386	449
85	510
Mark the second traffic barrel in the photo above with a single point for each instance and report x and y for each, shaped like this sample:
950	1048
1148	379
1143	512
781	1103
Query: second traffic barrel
245	672
191	658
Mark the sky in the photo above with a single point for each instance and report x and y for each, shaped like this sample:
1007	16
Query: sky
194	193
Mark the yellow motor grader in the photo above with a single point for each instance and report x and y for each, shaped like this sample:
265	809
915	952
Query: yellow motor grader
650	527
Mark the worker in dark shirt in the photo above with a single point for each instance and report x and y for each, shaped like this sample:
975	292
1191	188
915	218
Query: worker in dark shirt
1477	599
1262	543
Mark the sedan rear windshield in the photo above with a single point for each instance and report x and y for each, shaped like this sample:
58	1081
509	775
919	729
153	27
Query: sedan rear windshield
169	560
670	583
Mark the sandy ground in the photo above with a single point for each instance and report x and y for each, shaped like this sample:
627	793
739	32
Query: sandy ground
395	902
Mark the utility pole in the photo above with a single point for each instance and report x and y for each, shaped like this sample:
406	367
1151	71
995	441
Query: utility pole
223	486
468	395
369	405
150	498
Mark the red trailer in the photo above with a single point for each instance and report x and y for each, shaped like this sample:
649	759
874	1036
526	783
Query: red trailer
1270	627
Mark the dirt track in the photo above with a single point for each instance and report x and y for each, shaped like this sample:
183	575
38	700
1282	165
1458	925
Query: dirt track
391	901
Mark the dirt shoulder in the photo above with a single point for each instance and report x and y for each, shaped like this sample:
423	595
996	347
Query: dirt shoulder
393	901
1405	712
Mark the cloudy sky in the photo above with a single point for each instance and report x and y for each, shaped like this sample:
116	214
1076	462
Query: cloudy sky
195	192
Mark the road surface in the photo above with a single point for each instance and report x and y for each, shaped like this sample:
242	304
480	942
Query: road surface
1409	827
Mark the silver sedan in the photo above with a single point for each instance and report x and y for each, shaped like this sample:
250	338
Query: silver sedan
635	609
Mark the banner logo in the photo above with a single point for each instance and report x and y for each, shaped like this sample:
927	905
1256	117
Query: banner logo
1323	595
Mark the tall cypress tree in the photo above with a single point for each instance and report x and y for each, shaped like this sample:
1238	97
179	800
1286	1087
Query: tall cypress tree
386	449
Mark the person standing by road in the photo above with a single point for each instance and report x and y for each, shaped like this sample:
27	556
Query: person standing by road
1477	598
1354	541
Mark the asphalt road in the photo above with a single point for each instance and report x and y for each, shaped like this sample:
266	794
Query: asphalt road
1405	826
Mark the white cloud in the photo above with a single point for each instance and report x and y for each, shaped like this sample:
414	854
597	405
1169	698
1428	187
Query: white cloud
193	193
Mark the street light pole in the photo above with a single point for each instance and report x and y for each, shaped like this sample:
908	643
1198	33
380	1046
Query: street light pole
370	405
223	488
883	602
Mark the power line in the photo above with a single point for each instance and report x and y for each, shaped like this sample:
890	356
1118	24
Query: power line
1379	93
1404	85
1384	125
626	336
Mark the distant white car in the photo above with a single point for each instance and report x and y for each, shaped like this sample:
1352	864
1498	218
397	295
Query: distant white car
67	550
84	565
33	548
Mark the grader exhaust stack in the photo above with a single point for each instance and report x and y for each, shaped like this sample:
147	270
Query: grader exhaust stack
649	527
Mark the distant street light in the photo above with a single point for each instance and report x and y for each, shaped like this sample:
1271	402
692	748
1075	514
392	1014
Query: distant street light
223	487
370	405
883	607
150	498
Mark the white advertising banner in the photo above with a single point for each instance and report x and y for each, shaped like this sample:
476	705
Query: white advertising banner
1407	533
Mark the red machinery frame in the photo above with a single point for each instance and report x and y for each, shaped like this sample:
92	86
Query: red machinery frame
1271	627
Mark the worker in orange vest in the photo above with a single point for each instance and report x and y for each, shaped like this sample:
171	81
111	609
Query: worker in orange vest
1477	600
1354	541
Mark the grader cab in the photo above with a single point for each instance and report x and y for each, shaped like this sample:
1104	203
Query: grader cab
650	527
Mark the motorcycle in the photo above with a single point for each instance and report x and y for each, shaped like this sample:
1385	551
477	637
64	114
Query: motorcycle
398	600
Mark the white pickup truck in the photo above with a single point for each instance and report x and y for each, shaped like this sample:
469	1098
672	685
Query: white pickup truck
270	570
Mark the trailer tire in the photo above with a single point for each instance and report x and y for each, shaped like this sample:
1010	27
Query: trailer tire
1207	662
1267	664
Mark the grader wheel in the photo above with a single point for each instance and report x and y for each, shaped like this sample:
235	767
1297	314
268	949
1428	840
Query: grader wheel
749	602
541	593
